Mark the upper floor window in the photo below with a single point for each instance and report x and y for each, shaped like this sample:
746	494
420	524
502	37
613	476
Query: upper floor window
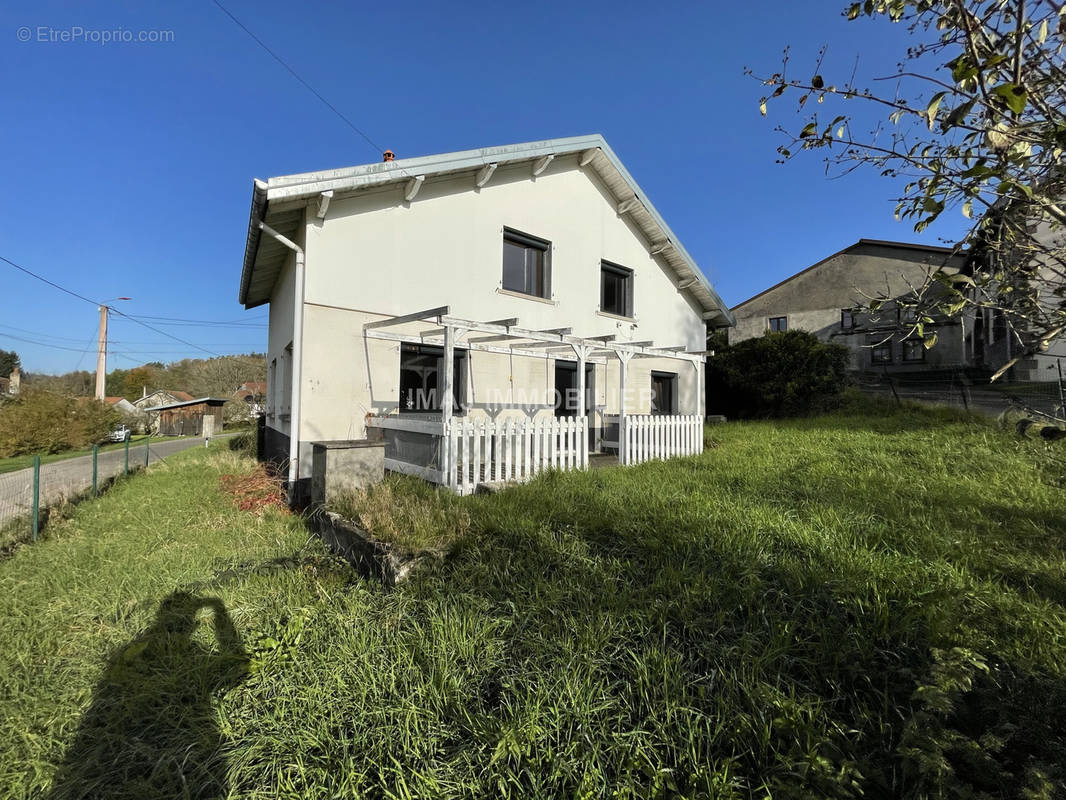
526	264
847	319
778	324
616	289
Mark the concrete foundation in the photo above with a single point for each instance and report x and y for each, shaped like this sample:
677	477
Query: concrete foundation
342	466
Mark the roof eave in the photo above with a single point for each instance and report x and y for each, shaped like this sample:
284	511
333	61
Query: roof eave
251	242
292	188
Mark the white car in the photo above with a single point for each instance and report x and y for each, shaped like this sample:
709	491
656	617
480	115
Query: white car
119	434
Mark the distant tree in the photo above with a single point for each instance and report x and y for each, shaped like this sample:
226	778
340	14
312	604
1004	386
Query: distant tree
9	359
976	120
39	421
136	379
115	383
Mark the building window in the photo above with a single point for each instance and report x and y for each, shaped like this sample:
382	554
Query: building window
778	324
422	376
616	289
881	353
526	264
285	404
847	319
272	387
566	400
663	392
913	350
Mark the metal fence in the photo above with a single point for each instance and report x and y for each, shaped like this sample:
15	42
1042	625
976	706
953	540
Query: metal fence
1045	399
29	495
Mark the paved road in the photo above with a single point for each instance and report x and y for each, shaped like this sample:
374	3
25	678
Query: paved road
72	476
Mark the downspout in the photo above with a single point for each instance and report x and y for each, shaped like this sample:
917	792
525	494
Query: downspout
297	358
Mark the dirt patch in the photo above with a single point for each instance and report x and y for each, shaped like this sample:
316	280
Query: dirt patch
256	491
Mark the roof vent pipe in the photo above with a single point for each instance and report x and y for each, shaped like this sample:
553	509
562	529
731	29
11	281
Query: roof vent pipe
388	155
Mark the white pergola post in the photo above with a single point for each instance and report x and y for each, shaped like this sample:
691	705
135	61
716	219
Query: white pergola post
582	353
446	402
623	364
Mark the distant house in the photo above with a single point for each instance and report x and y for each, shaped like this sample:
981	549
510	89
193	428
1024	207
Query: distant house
252	396
11	384
194	417
825	299
153	400
122	404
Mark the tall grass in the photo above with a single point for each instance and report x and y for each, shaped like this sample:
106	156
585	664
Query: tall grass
833	607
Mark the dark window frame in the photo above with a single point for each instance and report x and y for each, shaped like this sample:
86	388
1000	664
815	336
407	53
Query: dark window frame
878	360
847	319
461	359
909	347
626	274
672	379
777	324
528	241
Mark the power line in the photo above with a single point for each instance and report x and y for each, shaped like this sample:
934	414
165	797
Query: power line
243	321
112	308
50	283
296	75
45	344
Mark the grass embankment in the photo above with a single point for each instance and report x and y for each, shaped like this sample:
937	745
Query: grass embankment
815	608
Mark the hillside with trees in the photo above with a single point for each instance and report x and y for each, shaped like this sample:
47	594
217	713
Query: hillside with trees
200	377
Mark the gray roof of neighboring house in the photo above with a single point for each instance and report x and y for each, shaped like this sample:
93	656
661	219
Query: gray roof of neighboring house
211	401
280	203
862	243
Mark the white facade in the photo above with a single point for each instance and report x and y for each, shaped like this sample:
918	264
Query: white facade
372	254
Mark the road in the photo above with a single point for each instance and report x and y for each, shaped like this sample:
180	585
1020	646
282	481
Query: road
61	479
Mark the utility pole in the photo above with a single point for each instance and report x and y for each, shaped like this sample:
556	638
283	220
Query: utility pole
101	356
101	352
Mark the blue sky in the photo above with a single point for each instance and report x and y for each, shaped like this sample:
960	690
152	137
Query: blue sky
128	166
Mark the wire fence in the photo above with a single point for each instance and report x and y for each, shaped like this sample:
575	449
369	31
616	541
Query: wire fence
29	495
1041	399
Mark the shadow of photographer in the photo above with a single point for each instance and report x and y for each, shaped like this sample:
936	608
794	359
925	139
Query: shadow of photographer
151	729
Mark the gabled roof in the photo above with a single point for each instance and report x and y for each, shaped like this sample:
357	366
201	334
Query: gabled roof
280	203
934	249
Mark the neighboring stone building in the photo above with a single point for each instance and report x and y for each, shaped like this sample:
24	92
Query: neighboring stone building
824	299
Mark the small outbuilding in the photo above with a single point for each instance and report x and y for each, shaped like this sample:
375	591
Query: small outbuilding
199	417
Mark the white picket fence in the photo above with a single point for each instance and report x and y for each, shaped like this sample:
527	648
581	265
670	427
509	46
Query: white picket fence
483	451
649	437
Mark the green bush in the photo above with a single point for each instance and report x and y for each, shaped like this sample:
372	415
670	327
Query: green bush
245	443
784	374
44	422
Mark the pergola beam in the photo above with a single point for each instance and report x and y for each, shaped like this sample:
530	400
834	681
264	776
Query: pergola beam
418	316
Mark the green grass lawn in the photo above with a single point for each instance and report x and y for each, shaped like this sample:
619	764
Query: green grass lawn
840	606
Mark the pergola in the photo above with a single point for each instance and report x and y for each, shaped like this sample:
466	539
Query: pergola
506	336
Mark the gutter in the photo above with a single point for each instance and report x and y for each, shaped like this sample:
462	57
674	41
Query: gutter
297	356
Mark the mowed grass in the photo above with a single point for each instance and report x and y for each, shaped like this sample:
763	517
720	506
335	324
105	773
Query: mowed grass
848	605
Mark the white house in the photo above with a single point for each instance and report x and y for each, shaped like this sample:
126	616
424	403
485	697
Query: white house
491	311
